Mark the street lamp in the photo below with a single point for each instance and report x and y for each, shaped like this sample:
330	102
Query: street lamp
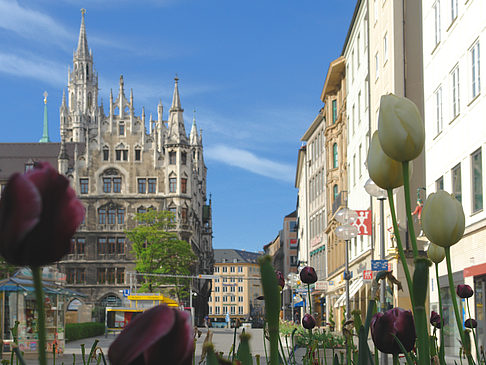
380	194
292	279
345	232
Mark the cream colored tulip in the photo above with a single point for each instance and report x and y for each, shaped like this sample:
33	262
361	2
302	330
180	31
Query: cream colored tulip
443	220
400	128
385	172
435	253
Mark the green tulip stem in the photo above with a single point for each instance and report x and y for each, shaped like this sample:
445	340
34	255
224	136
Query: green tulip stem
310	311
41	324
473	331
454	304
408	208
441	348
395	359
399	244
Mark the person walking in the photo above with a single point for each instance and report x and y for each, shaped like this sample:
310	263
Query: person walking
227	318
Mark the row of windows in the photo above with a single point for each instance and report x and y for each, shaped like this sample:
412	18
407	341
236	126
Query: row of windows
231	280
316	185
111	215
226	299
103	275
225	268
113	184
78	246
121	154
476	181
225	289
173	158
110	275
173	185
453	11
455	89
224	310
317	224
110	245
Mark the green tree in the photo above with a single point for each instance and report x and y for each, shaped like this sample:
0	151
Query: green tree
158	250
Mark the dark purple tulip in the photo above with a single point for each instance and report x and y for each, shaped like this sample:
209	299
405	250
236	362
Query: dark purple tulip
308	275
435	320
470	323
308	322
280	279
464	291
160	335
39	213
394	322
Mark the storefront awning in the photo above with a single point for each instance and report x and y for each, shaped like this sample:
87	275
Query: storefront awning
353	289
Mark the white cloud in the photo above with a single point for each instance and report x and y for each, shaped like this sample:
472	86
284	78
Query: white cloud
33	67
249	161
32	24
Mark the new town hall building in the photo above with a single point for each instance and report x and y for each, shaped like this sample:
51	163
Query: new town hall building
119	168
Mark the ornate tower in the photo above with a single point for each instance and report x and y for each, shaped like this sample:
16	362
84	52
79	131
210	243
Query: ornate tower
82	109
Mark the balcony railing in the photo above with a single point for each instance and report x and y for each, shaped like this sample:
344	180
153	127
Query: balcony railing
340	201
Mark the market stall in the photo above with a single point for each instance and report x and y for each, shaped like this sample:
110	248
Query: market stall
18	304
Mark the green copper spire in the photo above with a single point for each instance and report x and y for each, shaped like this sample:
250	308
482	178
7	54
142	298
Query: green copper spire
45	133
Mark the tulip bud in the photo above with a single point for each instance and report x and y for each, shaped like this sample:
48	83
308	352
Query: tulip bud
394	322
464	291
385	172
435	320
435	253
470	323
443	220
308	322
400	128
280	279
308	275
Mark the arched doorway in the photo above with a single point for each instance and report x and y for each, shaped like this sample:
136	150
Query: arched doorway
109	300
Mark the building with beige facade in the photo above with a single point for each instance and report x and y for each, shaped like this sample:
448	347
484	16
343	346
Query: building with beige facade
334	98
235	288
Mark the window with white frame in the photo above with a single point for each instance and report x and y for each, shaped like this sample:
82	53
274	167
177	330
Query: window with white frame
453	10
456	105
475	82
477	181
359	107
438	109
436	8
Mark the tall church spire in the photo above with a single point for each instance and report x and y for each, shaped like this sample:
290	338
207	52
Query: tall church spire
83	40
176	100
45	133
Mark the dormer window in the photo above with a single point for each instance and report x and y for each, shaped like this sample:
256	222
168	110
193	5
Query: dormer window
121	129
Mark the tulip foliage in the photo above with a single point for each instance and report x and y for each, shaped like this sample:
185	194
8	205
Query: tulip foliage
400	139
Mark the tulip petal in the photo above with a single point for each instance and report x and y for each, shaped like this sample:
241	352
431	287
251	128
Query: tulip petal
141	333
20	211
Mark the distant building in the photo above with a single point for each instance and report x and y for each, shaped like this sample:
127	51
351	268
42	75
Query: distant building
236	287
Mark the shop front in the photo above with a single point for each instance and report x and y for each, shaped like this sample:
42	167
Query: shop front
18	310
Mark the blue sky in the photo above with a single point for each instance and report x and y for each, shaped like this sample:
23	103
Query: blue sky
253	70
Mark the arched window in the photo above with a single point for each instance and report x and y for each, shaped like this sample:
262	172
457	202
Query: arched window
335	191
334	155
87	72
90	101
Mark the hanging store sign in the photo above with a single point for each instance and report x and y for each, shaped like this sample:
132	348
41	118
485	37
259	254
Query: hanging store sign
321	285
363	222
368	275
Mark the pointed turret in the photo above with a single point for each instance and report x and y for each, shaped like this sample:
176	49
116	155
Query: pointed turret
176	100
177	131
193	137
45	132
160	110
82	50
63	104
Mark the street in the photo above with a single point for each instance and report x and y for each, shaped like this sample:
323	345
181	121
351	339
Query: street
222	339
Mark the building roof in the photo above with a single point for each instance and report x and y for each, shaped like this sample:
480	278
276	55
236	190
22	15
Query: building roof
14	156
292	215
235	256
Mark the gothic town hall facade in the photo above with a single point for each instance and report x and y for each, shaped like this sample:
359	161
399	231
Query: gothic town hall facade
118	168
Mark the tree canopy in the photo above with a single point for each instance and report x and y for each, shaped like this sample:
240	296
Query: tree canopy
158	250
